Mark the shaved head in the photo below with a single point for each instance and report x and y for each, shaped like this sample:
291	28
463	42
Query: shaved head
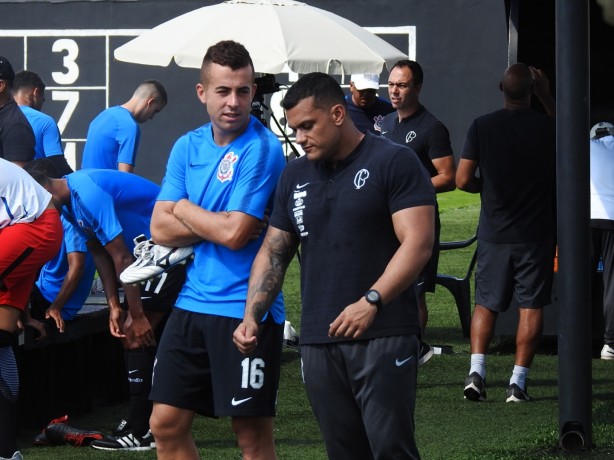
517	82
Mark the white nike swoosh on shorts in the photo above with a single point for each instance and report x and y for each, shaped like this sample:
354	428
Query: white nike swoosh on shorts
401	362
236	402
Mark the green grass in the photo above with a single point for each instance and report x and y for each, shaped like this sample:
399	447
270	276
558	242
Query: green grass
448	427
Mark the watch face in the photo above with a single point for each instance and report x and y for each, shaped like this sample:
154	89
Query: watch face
373	296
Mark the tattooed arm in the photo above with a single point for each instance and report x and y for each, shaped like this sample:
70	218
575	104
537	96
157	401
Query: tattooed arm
265	281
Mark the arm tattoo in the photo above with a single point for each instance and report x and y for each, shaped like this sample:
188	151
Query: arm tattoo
280	248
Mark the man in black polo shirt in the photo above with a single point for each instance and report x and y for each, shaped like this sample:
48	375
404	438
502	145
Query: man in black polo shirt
16	135
415	127
514	148
362	209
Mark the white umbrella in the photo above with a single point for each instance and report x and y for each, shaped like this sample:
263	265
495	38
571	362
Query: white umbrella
280	35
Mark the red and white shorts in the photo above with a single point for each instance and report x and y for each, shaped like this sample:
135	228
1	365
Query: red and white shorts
36	243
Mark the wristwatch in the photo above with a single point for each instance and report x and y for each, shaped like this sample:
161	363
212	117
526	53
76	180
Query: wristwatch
374	298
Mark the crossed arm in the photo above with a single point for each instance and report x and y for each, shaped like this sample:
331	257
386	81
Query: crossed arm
183	223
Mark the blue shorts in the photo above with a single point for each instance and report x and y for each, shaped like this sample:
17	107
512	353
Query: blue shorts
199	368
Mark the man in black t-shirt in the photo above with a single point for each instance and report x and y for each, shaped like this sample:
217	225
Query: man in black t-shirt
415	127
362	209
514	148
16	135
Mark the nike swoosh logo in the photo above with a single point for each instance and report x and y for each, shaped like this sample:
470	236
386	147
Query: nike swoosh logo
236	402
145	298
384	132
400	363
298	187
133	371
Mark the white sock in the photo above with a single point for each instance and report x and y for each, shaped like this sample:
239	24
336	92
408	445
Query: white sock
519	375
478	364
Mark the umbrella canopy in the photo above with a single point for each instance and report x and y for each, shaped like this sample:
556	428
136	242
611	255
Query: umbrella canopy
280	35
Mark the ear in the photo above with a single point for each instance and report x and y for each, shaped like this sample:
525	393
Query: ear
200	93
337	113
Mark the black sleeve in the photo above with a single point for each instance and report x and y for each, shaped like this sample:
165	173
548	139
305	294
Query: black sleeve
439	142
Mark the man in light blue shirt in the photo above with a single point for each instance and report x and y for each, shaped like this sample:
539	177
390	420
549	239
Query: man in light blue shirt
219	182
111	210
114	135
64	282
29	94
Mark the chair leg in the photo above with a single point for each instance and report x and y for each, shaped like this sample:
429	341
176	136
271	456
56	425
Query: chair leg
461	291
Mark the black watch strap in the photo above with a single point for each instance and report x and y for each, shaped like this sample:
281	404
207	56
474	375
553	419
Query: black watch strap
374	298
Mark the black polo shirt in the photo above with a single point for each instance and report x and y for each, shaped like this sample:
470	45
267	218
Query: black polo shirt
423	133
343	219
16	136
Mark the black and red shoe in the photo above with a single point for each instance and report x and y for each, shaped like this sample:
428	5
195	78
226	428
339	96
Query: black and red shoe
60	433
40	440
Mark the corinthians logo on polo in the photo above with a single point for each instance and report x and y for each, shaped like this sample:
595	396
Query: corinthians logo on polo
225	169
360	179
299	206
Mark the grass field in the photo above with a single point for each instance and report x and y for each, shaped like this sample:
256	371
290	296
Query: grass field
448	427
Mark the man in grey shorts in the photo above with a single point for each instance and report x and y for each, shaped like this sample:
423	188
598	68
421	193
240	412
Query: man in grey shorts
514	148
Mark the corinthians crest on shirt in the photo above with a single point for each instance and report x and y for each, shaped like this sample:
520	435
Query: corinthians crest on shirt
226	168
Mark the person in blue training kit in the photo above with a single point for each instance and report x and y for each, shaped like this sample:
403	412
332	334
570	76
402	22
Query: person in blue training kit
219	183
29	94
113	137
16	135
362	209
366	109
113	210
64	283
